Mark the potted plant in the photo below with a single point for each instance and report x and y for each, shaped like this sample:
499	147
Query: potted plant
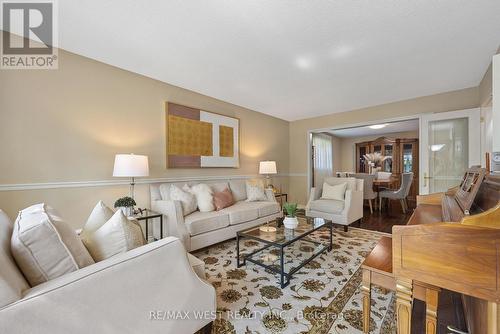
126	204
290	220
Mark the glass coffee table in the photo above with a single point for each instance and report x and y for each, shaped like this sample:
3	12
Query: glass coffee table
285	251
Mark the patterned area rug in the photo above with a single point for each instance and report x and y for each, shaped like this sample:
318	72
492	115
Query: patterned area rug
323	297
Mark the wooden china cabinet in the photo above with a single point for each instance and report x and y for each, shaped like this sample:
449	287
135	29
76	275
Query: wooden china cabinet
404	153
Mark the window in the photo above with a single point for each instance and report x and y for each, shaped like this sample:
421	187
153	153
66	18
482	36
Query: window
323	162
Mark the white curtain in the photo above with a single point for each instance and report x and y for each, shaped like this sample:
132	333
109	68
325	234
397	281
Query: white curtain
323	162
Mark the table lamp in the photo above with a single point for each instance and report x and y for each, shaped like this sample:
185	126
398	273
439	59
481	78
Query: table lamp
267	168
131	165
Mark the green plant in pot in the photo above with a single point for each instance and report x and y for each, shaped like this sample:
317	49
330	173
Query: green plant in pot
290	220
126	204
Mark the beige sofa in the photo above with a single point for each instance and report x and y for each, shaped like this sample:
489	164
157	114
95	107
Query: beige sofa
121	294
340	212
201	229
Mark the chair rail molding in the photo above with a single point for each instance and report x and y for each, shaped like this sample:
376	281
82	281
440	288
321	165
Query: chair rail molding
107	183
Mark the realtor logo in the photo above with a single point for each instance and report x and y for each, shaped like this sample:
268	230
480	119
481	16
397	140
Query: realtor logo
29	32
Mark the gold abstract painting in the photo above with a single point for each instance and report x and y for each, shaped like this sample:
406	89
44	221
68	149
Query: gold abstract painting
226	141
189	137
198	138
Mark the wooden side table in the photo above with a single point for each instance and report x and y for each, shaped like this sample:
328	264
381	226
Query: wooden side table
147	215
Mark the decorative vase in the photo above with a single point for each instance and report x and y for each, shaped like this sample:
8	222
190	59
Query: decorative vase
290	222
127	210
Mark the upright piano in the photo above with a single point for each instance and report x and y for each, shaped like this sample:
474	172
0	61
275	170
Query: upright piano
452	241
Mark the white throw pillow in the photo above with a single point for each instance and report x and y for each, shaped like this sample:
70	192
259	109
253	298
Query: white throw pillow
100	214
184	195
44	246
118	235
336	192
255	191
204	198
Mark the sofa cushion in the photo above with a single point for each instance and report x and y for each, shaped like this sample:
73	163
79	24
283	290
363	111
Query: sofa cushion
327	205
165	191
242	212
219	186
45	247
12	282
118	235
202	222
238	187
268	208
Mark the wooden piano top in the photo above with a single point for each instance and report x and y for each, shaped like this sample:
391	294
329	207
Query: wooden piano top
463	256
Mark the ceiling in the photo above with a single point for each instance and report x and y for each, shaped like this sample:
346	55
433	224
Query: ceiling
291	59
363	131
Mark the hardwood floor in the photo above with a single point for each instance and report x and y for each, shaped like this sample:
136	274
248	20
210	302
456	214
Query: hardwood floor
385	220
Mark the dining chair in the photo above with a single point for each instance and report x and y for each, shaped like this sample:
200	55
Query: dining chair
368	193
401	193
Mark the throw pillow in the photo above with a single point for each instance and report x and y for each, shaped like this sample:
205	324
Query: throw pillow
44	246
336	192
100	214
118	235
187	199
204	198
223	199
255	191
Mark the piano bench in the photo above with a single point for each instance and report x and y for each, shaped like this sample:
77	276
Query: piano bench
377	270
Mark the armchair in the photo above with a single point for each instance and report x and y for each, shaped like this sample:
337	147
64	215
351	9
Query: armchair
340	212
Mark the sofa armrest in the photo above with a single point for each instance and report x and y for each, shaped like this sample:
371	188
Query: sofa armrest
353	208
313	195
121	294
174	218
270	195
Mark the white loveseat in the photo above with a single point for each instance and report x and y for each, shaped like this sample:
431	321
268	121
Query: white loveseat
126	293
201	229
340	212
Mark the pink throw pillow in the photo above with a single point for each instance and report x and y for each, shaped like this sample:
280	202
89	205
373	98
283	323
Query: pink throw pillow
223	199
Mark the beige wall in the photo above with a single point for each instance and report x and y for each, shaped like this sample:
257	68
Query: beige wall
348	147
337	158
66	125
456	100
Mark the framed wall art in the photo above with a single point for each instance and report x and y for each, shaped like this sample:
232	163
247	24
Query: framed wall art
198	138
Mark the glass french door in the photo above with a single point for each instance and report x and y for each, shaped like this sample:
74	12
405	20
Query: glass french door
450	143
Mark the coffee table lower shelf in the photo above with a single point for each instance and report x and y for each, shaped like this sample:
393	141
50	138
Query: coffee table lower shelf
276	261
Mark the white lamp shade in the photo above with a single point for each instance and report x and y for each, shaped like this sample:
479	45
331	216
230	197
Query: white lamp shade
131	165
267	167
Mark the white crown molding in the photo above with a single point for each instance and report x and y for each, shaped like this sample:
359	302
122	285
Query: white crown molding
120	182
